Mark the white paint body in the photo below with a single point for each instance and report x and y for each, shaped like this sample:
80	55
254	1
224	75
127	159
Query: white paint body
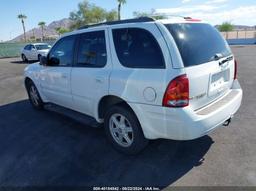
81	89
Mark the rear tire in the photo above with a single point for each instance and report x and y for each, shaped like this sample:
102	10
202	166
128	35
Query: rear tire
34	96
123	130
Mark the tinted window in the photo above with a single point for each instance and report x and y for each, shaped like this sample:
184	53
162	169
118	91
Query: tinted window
28	47
198	43
92	50
137	48
43	46
62	52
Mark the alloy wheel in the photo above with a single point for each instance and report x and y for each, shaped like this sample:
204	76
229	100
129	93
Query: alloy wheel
121	130
34	95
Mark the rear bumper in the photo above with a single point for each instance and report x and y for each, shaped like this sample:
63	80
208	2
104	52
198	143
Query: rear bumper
184	123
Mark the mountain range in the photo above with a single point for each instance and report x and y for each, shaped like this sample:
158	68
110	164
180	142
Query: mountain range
49	30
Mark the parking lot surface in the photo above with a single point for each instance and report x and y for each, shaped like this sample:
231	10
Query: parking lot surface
39	148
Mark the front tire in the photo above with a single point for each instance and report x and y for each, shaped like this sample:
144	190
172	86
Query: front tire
34	96
123	130
24	58
39	57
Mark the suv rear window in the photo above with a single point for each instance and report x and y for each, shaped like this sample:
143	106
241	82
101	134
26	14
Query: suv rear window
137	48
198	43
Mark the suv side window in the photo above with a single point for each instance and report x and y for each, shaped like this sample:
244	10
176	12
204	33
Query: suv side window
63	51
92	50
137	48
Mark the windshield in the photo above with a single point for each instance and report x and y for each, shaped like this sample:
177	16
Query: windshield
198	43
42	46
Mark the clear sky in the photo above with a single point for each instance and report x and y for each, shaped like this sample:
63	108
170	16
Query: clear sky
214	11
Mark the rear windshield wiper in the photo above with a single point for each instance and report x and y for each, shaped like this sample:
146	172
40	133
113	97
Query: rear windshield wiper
217	56
225	60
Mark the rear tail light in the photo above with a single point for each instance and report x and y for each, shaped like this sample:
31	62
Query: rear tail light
235	70
177	92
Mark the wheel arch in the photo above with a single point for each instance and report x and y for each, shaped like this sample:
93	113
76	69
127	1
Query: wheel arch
107	102
27	80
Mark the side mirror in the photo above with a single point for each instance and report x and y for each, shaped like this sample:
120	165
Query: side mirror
54	61
43	61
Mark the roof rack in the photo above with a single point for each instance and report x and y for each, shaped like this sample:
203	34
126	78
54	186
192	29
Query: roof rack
169	15
136	20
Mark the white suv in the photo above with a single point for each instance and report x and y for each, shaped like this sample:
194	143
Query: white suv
145	79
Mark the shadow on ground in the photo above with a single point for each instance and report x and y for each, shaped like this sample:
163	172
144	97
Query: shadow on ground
44	148
21	62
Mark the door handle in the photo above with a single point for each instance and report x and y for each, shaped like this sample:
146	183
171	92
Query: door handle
99	80
64	76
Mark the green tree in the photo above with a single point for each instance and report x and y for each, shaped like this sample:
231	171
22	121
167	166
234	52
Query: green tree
88	13
120	3
22	17
42	25
149	14
97	14
112	15
225	27
140	14
61	30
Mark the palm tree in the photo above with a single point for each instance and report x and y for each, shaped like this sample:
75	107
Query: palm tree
42	25
61	30
120	3
22	17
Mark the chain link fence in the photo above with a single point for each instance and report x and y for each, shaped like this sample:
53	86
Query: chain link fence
13	49
10	49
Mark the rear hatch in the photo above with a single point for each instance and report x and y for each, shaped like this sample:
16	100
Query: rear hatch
208	61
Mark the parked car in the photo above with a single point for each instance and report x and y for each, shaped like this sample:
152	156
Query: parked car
144	79
34	51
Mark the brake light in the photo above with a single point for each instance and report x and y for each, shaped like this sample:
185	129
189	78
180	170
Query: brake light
235	70
177	92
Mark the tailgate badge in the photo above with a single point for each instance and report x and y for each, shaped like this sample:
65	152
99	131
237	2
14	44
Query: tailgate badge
198	96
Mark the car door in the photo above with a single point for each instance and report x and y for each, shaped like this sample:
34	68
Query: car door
141	63
28	51
91	71
24	51
33	53
55	77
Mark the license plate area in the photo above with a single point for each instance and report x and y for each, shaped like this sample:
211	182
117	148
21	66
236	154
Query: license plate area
219	82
